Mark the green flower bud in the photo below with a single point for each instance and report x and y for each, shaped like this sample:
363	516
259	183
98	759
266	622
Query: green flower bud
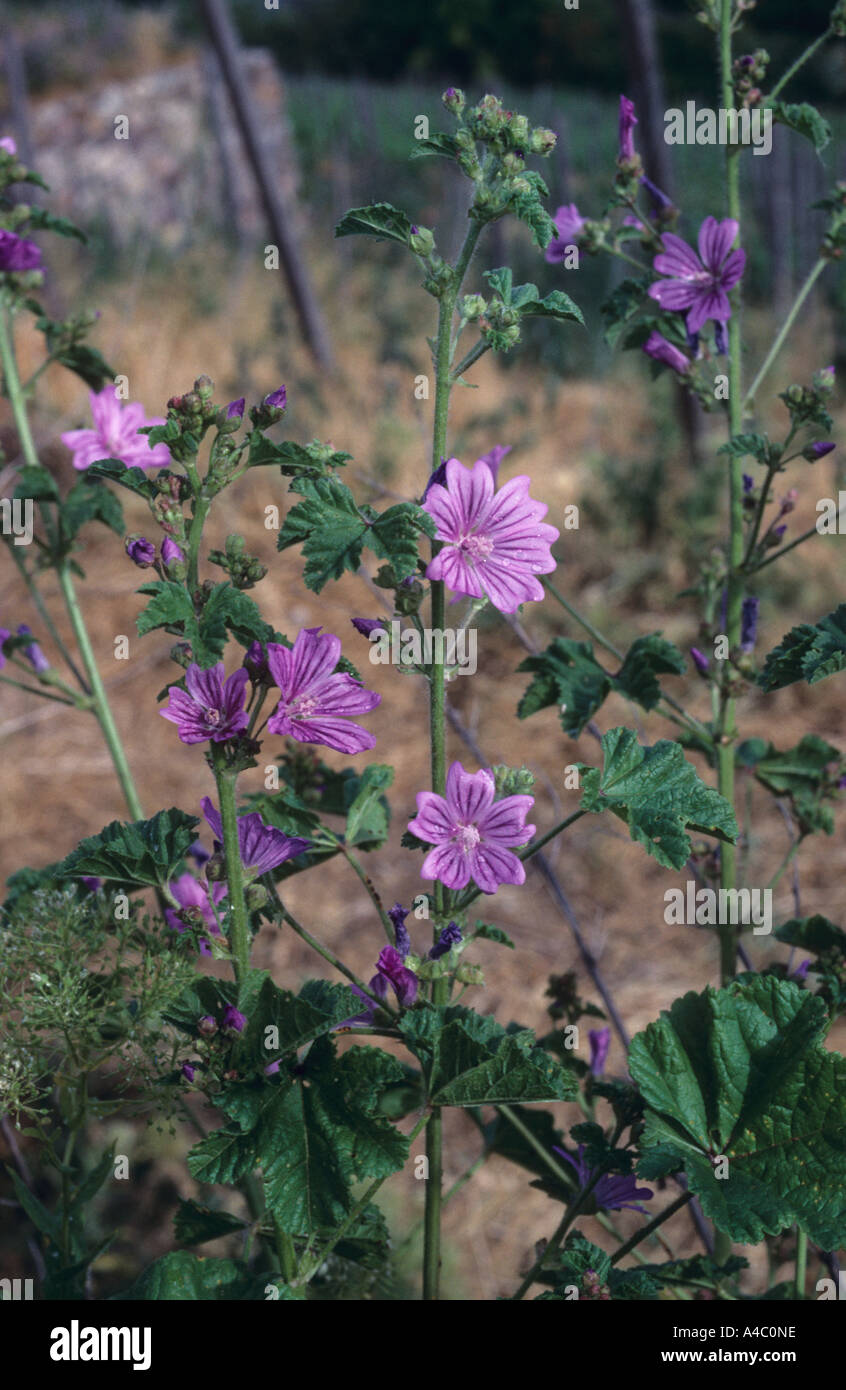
472	306
421	241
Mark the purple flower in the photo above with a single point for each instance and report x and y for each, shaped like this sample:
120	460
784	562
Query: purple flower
494	543
473	836
277	400
172	554
449	937
367	625
91	883
8	144
141	551
317	702
493	458
271	1069
818	450
628	121
389	970
700	661
600	1041
699	283
398	914
262	847
801	971
404	981
748	484
188	1071
16	253
613	1191
749	622
657	347
115	435
208	708
33	652
778	531
189	892
569	224
235	409
5	634
256	663
660	201
233	1021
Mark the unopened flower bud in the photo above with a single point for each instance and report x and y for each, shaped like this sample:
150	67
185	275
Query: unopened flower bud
472	307
453	100
699	660
421	241
207	1026
204	387
543	141
141	551
233	1021
172	556
818	450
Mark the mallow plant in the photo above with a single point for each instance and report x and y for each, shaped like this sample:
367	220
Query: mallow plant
732	1105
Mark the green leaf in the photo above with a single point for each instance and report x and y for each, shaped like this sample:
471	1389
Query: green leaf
816	934
225	609
380	220
185	1277
527	300
568	675
369	814
334	531
622	305
89	500
292	459
805	120
808	652
86	362
43	1220
504	1139
469	1059
742	1073
312	1136
809	774
194	1224
529	208
658	794
581	1262
742	446
437	143
36	482
483	931
501	282
41	220
140	852
137	480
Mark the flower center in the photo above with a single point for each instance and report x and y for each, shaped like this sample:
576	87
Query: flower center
213	717
476	547
466	837
303	707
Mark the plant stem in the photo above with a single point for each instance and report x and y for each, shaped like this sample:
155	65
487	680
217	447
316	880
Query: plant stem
726	726
800	62
778	342
239	932
98	693
437	734
43	613
369	1194
371	889
651	1226
806	536
324	951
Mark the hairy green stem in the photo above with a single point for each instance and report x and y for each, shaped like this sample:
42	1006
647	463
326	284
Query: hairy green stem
800	62
98	694
651	1226
778	342
437	734
239	931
